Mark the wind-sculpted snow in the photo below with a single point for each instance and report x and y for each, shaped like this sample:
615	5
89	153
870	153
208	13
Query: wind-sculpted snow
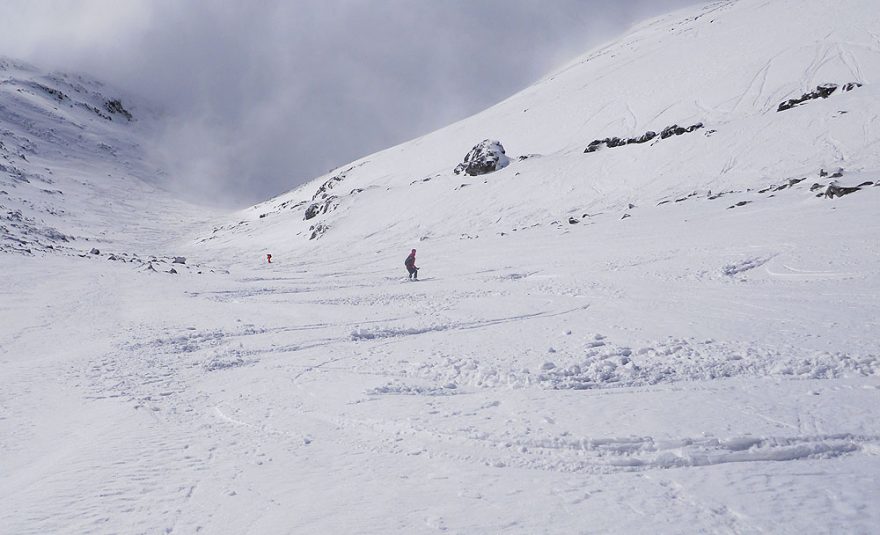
604	365
222	360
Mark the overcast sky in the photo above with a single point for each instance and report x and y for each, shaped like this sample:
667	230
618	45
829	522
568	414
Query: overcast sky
263	95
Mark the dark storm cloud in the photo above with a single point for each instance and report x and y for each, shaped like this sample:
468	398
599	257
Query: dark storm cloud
261	96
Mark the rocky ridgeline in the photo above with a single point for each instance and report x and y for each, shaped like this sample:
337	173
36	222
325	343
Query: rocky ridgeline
669	131
821	92
113	106
485	157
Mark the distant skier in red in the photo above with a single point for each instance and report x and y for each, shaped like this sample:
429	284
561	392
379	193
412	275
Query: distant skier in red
410	264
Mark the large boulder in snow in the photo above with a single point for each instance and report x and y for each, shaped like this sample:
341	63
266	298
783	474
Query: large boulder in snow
487	156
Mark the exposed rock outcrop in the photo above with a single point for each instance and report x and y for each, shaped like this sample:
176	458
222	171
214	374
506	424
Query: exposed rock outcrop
318	230
323	201
487	156
669	131
322	207
115	106
822	91
836	190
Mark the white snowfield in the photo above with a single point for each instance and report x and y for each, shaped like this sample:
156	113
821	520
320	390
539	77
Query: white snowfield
674	334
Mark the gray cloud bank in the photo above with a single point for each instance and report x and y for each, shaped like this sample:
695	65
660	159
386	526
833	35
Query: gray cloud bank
261	96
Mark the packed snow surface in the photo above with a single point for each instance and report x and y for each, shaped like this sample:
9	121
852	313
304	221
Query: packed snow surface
667	333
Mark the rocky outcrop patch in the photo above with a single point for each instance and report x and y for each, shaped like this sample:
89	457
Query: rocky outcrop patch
836	190
317	230
114	106
821	92
52	92
323	201
669	131
26	235
327	205
485	157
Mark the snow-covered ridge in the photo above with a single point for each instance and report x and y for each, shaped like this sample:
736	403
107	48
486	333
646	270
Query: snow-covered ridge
740	77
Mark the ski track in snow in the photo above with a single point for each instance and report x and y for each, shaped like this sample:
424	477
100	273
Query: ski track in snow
477	375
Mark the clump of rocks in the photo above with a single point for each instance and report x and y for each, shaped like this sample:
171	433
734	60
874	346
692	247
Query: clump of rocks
485	157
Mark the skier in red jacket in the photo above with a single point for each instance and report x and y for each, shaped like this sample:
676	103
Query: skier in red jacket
410	264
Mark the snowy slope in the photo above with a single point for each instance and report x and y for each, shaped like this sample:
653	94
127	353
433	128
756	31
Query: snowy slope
74	167
726	65
675	336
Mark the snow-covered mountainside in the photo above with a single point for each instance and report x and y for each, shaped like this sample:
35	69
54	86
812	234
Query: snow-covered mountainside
697	93
648	303
74	172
